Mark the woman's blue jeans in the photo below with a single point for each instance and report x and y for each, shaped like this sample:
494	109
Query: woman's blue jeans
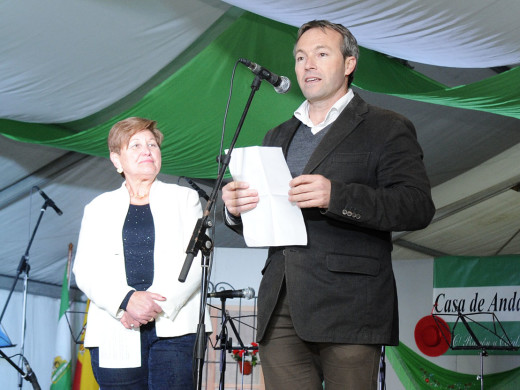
166	364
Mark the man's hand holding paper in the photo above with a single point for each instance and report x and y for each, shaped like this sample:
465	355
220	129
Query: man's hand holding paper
310	191
239	198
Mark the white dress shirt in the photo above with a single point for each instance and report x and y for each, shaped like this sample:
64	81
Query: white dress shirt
302	113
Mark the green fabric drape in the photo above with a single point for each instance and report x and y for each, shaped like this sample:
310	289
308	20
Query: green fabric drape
416	372
189	105
497	94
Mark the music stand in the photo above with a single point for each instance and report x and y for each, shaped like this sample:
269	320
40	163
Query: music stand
76	338
225	343
497	331
29	376
5	341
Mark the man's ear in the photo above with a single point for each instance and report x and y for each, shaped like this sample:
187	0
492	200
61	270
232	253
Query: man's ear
350	65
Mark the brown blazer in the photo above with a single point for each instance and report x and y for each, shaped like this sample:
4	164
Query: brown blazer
341	286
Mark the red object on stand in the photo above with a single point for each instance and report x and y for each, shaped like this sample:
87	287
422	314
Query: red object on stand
432	335
246	368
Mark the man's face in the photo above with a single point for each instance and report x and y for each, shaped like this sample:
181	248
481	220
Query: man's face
321	70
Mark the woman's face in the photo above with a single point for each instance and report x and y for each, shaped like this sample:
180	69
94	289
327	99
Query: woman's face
141	158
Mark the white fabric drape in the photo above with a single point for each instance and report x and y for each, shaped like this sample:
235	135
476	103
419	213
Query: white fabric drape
461	33
63	60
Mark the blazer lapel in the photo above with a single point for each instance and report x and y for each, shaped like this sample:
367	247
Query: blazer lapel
347	121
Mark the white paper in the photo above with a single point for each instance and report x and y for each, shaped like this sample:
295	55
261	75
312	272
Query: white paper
120	348
275	221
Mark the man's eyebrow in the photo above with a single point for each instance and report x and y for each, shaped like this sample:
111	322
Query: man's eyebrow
319	47
315	48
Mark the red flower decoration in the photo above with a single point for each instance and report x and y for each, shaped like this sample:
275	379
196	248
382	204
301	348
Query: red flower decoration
242	355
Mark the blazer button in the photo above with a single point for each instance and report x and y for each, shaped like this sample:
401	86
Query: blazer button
283	252
344	212
349	214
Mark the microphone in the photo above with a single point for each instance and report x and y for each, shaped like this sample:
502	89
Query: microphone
31	376
199	190
246	293
49	201
281	84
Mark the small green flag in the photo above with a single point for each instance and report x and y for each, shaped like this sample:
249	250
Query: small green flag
61	370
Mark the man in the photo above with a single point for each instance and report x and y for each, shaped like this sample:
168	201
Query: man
325	309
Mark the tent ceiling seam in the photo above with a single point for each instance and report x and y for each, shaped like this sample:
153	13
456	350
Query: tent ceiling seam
40	177
419	248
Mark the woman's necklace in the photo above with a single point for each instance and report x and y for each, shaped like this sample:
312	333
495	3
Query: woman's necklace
139	196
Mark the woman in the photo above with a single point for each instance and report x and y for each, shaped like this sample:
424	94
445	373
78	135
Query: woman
142	322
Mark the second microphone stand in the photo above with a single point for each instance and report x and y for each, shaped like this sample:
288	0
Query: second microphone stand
24	267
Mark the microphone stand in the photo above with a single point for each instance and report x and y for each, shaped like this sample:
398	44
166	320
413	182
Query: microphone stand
201	242
382	370
25	268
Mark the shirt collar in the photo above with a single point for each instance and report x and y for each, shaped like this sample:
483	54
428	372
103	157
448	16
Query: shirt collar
302	113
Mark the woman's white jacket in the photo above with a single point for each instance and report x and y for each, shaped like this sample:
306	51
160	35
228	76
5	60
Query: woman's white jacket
99	269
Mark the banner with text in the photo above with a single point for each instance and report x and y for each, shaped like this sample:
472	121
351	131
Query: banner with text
479	298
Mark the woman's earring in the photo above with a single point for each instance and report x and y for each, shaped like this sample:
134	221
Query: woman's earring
119	170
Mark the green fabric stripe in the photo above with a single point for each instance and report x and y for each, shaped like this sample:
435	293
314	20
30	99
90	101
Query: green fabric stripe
416	372
461	271
497	95
379	73
32	132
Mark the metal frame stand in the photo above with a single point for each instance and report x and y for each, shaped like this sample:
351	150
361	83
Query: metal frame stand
226	343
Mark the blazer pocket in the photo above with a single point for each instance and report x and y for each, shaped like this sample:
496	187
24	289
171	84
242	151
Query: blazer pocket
363	265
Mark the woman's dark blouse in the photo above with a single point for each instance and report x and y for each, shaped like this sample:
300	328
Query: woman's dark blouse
138	244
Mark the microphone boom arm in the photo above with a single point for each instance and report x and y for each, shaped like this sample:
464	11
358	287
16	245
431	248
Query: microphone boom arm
199	238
